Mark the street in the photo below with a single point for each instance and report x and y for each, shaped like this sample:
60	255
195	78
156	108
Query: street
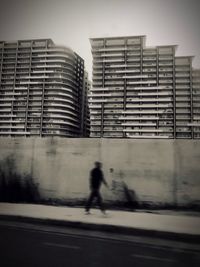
31	245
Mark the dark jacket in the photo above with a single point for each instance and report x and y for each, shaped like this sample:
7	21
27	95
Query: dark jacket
96	178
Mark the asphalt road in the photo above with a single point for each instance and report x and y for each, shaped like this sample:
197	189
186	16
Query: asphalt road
26	245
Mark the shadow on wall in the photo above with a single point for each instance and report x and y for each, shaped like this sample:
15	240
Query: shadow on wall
15	187
129	198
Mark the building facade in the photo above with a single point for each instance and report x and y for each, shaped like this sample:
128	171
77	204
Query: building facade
41	89
142	92
86	111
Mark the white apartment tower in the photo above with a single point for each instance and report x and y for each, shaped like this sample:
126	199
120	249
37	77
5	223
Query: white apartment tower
142	92
42	90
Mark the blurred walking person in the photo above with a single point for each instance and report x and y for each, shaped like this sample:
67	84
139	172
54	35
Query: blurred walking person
96	179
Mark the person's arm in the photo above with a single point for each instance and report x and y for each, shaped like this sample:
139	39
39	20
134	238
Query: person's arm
90	179
104	181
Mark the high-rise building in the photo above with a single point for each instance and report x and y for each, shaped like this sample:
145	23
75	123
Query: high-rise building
41	89
142	92
196	103
85	110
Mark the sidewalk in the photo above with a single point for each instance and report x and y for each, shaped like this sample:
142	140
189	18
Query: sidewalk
172	226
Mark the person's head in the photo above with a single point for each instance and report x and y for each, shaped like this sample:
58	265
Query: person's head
98	164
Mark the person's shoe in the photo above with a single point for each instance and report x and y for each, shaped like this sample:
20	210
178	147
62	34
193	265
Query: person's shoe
87	212
104	212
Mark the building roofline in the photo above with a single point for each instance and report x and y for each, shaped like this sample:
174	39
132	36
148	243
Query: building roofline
163	46
192	57
26	40
43	39
37	39
117	37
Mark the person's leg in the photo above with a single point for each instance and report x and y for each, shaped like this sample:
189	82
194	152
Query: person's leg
89	201
100	201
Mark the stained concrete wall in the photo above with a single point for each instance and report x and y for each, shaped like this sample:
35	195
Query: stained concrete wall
156	172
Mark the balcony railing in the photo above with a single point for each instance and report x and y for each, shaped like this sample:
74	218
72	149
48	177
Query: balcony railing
139	118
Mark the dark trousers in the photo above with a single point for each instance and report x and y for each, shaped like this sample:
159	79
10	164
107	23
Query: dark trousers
94	194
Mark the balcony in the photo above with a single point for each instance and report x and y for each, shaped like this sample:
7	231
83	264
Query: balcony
117	65
111	77
144	130
58	116
119	54
148	136
152	99
195	81
112	111
97	83
149	52
194	86
141	106
135	76
98	89
95	129
15	133
59	105
133	59
148	64
178	112
185	86
149	59
95	112
109	49
165	63
165	75
139	118
113	83
155	94
182	75
4	99
165	81
112	129
178	81
42	72
112	60
133	54
182	99
184	129
100	72
165	57
182	69
146	88
138	124
142	82
161	70
93	106
95	123
146	112
11	121
128	71
94	95
114	106
149	70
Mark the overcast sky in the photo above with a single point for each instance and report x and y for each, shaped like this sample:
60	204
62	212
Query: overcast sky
73	22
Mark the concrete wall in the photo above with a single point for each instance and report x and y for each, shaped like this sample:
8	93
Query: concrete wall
156	172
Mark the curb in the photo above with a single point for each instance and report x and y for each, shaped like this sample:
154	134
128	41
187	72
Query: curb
189	238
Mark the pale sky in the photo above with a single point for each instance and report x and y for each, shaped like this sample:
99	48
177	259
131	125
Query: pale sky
73	22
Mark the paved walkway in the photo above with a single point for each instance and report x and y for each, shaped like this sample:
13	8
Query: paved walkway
174	223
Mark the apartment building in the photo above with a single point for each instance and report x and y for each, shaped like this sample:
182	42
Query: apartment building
195	122
86	113
41	89
142	92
